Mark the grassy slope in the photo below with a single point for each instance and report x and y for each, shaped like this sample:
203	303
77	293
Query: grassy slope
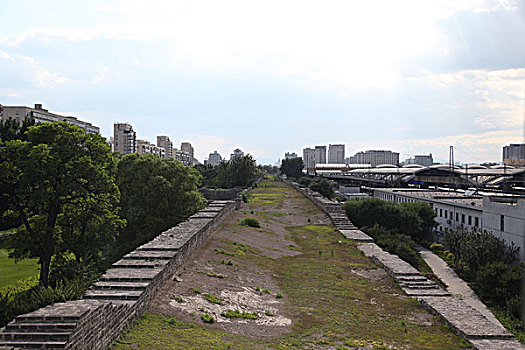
331	307
10	272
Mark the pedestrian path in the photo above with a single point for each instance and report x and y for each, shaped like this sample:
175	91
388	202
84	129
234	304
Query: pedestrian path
455	285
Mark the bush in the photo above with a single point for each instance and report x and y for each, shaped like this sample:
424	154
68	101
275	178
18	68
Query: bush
251	222
207	318
323	186
305	181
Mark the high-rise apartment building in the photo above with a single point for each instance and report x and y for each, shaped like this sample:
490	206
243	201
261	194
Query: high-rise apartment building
41	115
423	160
290	155
336	154
320	154
214	159
186	147
309	159
164	142
144	146
236	153
124	138
377	157
514	154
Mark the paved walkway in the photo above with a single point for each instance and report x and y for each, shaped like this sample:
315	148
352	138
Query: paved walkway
455	285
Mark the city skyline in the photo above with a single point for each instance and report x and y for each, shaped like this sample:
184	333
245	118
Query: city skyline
411	76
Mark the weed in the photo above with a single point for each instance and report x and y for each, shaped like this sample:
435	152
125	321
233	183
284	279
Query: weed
229	262
251	222
196	291
213	298
266	290
215	274
237	314
258	289
278	295
268	313
178	299
222	251
207	318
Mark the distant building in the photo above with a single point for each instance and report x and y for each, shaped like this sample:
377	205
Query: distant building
186	147
290	155
183	157
236	153
320	154
423	160
124	138
377	157
336	154
514	154
41	115
351	160
164	142
144	147
309	160
214	159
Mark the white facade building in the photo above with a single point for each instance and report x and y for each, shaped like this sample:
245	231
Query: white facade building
214	159
41	115
124	138
504	216
164	142
377	157
336	154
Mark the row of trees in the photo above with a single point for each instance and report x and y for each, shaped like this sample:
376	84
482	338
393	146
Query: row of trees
240	171
78	204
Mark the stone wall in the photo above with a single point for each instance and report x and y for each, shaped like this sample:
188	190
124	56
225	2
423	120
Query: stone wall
464	320
120	295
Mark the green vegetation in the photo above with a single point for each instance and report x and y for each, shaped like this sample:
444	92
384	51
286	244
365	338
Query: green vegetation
492	268
215	274
292	168
11	272
237	314
323	186
207	318
178	299
251	222
213	298
240	171
305	181
196	291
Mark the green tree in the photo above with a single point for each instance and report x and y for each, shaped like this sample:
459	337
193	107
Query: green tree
11	129
156	194
323	186
292	167
242	171
59	166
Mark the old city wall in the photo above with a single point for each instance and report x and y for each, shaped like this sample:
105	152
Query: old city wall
120	295
464	320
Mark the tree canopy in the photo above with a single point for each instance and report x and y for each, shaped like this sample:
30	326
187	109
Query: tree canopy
46	181
323	186
156	194
292	167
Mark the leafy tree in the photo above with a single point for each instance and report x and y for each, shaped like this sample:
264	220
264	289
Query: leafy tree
156	194
269	169
57	168
323	186
292	167
242	171
11	129
208	173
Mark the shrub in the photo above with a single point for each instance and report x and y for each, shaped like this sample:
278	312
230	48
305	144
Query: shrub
237	314
305	181
323	186
251	222
213	298
207	318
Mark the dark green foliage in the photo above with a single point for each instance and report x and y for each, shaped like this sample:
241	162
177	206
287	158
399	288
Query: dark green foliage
156	194
500	284
60	183
269	169
292	167
475	249
237	314
305	181
240	171
11	130
212	298
413	219
207	318
208	173
323	186
252	222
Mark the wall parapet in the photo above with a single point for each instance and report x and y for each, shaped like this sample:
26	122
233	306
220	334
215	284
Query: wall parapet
120	295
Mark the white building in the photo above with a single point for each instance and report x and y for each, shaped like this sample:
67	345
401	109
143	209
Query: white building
41	115
236	153
214	159
309	160
504	216
124	138
423	160
377	157
336	154
320	155
144	147
164	142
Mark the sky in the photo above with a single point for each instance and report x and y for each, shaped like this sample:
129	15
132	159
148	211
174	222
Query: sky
269	77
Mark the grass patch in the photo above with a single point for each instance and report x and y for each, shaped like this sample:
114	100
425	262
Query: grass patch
250	222
207	318
215	274
237	314
213	298
23	273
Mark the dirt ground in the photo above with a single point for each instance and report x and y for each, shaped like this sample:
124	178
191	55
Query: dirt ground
243	286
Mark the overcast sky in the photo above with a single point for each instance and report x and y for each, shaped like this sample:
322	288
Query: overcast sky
271	77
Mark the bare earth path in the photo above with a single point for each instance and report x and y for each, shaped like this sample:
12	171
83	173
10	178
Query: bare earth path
293	283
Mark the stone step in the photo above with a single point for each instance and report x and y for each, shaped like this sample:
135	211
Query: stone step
36	336
435	292
150	255
416	278
39	326
130	275
111	294
17	344
139	263
419	286
116	285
